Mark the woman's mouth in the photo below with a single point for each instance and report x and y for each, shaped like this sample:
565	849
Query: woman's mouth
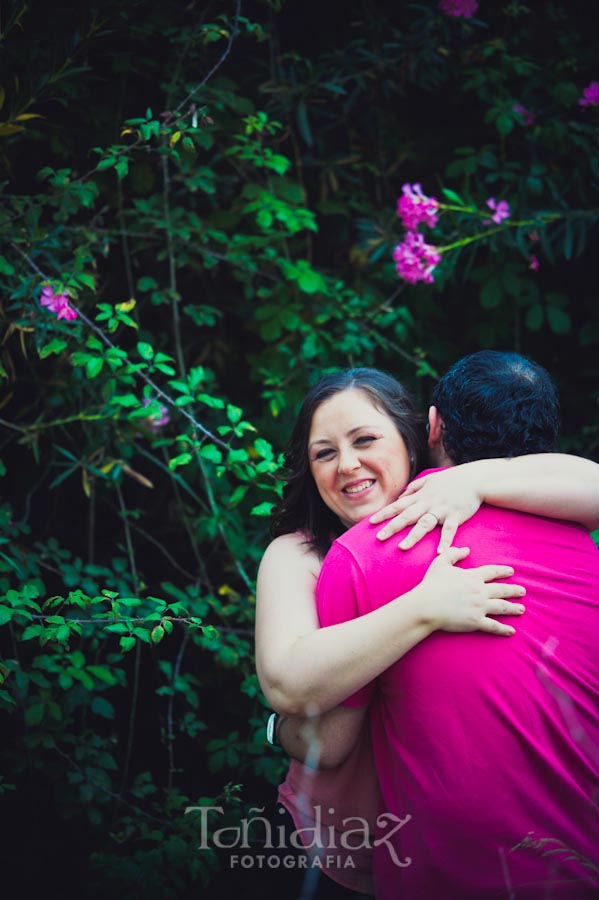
358	488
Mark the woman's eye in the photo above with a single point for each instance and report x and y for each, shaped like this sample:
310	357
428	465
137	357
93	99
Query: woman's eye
324	454
365	439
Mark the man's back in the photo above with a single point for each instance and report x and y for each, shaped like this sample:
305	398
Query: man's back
490	744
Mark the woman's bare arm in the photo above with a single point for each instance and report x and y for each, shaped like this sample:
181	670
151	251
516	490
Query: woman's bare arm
306	670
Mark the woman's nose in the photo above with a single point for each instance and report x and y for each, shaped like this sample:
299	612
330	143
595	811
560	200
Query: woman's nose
348	460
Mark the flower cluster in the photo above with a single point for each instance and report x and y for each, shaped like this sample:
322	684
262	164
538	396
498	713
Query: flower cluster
590	95
159	419
57	303
501	211
463	8
414	207
527	114
415	259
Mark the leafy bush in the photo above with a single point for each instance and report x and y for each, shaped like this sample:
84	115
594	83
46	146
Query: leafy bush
199	214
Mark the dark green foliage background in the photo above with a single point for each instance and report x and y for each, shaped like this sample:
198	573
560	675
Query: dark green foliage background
234	171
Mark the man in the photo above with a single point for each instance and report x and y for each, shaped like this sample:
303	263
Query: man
487	750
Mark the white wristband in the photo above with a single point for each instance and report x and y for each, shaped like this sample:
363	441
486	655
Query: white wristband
271	730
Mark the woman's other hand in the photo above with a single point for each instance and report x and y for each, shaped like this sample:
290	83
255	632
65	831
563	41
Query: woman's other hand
447	498
465	599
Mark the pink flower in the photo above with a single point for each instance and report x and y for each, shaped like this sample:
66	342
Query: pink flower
534	262
590	95
414	207
159	419
502	211
415	260
57	303
527	114
463	8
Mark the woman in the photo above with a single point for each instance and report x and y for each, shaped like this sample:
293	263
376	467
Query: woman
357	442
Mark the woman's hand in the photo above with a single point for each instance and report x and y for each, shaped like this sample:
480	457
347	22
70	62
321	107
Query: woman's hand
445	498
464	599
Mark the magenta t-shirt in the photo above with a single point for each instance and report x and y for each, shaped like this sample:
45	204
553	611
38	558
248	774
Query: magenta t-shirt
487	747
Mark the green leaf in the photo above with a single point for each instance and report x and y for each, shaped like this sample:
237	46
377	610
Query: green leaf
310	281
32	631
55	346
94	366
535	317
504	123
34	714
6	268
491	294
211	453
263	448
559	321
303	124
182	460
86	280
107	163
145	350
451	195
63	632
5	615
213	402
146	283
157	634
122	167
127	643
262	509
234	413
101	707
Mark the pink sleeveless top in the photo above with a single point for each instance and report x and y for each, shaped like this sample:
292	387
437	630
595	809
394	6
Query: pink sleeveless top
339	807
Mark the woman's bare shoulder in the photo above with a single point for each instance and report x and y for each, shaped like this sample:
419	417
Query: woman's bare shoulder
292	549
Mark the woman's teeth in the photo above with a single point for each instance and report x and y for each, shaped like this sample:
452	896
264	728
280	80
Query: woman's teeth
356	488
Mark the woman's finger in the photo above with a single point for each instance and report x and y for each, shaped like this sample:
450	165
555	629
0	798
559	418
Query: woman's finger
392	509
426	523
498	591
453	555
492	572
415	486
448	532
492	626
399	522
505	608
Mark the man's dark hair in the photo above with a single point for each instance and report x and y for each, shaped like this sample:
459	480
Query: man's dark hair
497	404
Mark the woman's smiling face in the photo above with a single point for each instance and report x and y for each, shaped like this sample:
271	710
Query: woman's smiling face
358	459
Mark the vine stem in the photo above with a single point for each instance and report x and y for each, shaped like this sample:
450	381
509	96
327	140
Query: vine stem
170	731
128	541
217	65
172	268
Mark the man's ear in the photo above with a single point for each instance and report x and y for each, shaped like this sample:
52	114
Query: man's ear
435	428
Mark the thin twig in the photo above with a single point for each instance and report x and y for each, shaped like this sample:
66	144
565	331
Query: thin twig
170	734
216	66
132	712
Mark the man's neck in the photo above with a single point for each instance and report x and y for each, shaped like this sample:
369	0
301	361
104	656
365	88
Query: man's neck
439	458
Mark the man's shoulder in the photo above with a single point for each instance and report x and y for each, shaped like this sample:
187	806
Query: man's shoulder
358	538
